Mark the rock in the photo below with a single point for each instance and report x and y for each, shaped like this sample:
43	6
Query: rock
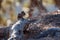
57	34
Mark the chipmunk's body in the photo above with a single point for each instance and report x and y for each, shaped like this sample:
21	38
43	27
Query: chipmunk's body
18	27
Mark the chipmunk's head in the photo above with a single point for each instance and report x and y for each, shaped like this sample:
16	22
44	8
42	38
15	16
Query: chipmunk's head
20	15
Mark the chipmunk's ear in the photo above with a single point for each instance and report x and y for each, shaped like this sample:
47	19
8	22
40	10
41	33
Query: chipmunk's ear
23	13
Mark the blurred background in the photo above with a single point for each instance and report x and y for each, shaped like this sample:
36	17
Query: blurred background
9	9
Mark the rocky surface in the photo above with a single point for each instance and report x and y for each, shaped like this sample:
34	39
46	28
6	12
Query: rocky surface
35	29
